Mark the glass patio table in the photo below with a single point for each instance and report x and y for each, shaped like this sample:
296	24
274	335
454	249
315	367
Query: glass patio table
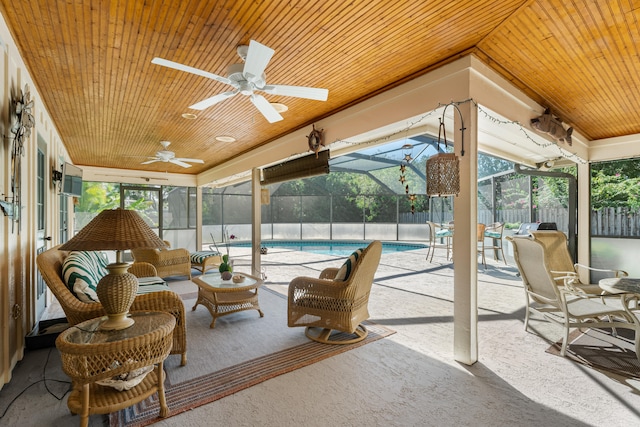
222	297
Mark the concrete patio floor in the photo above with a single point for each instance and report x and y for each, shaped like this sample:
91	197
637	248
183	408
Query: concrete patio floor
409	378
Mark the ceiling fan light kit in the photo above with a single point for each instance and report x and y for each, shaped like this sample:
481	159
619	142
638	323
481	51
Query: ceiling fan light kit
167	156
246	79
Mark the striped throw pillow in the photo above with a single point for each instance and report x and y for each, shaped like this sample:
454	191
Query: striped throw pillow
348	266
82	270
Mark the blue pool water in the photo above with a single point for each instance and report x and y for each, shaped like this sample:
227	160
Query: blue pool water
337	248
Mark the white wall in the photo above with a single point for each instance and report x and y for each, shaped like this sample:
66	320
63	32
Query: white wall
18	242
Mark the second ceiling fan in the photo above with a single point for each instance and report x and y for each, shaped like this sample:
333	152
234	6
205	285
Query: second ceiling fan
167	156
247	78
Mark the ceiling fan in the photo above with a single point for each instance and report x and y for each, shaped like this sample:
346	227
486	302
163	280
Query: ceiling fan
247	78
167	156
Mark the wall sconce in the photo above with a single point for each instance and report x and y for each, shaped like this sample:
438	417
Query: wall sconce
443	169
56	178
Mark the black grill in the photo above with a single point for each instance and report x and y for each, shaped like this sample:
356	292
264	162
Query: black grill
525	227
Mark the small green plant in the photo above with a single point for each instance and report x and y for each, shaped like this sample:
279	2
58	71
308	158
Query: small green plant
225	266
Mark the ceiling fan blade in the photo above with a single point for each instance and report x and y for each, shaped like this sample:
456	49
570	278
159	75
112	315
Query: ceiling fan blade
298	91
266	108
188	69
179	163
189	160
258	56
213	100
150	161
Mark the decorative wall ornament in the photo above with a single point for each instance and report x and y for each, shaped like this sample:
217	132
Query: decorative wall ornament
407	151
21	129
552	125
7	208
25	120
316	139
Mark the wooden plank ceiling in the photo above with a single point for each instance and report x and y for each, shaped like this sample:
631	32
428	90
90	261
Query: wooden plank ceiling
91	62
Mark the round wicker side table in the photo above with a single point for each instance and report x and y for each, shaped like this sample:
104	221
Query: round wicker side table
90	354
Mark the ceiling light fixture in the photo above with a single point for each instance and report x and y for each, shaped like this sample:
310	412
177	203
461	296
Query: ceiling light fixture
189	116
280	108
225	138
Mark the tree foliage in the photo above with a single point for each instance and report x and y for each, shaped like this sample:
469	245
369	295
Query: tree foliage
98	196
615	184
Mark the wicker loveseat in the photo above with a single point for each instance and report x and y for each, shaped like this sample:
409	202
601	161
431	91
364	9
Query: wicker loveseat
337	300
50	265
168	262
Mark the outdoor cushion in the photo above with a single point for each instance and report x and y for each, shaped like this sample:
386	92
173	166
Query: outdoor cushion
346	269
492	234
82	270
151	284
199	256
444	233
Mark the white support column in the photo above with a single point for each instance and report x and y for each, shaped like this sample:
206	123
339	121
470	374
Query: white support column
465	216
256	222
198	218
584	215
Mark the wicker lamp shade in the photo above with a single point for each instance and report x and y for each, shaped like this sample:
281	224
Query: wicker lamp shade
114	230
443	175
117	229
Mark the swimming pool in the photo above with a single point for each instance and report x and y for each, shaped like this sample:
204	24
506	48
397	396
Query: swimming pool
337	248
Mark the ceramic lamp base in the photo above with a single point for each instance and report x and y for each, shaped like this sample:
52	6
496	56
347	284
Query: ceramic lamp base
117	322
116	292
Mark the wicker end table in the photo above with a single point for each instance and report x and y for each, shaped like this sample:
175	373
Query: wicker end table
222	297
89	354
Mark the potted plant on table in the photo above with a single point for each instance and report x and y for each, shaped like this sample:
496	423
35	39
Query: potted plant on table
226	267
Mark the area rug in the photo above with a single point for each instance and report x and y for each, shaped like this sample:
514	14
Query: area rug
599	349
185	394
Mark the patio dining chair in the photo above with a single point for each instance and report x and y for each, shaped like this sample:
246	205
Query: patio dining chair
440	237
494	232
562	304
480	244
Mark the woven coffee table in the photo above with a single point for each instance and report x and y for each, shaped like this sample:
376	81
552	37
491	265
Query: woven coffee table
222	297
90	354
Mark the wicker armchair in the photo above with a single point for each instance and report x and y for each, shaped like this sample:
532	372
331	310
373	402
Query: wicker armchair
50	267
333	304
168	262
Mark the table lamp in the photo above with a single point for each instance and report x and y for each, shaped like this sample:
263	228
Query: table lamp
118	230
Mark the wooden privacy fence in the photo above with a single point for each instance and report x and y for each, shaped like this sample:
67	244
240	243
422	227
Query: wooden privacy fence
606	222
615	222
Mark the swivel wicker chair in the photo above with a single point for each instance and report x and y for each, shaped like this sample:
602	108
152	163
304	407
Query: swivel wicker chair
333	303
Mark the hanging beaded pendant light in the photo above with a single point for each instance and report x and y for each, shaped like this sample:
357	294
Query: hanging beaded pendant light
443	169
